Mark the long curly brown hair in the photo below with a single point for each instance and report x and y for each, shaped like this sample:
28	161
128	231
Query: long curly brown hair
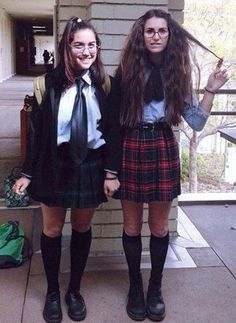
176	66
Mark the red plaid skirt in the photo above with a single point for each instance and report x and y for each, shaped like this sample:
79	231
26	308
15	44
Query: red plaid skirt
150	169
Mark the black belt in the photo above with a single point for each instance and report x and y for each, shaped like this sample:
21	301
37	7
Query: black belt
151	125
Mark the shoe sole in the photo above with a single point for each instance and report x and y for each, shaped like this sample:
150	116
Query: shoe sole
155	318
75	318
134	317
52	321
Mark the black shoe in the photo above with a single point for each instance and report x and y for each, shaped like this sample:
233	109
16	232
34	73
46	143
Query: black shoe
136	304
52	309
155	303
76	306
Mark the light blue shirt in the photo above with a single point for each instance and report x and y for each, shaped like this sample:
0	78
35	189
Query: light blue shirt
193	113
66	104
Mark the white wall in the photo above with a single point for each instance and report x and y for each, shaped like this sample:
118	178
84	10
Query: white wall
7	48
42	43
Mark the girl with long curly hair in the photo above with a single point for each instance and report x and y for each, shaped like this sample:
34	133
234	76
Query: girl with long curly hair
155	75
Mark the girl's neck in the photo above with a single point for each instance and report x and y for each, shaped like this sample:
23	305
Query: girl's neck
80	72
155	59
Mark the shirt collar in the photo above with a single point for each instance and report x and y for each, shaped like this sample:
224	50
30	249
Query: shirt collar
86	77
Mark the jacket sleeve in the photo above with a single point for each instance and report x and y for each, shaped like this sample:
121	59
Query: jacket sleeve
113	130
194	114
33	140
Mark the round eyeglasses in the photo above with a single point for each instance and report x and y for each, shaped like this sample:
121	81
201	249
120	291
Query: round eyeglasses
80	48
151	32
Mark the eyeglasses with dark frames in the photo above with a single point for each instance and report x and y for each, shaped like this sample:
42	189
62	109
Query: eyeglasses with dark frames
151	32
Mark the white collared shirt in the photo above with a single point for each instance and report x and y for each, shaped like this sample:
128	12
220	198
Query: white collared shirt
93	112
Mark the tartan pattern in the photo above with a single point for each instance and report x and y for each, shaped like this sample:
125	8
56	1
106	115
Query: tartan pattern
78	186
150	169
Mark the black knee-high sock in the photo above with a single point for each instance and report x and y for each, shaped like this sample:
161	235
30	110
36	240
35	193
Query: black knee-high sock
133	249
79	251
158	252
51	254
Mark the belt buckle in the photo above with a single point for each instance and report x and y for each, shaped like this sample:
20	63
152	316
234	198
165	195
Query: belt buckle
151	126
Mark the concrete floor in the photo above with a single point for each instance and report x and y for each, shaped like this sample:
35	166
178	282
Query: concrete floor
201	290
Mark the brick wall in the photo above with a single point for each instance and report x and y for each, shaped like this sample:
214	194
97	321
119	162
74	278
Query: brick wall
113	20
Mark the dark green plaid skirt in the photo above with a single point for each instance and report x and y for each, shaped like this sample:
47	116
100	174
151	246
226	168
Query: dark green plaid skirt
78	186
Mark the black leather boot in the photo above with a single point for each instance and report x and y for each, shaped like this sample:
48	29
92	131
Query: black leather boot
52	309
136	303
76	306
155	302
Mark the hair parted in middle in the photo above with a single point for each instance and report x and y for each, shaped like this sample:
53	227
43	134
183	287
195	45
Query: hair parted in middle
65	58
176	69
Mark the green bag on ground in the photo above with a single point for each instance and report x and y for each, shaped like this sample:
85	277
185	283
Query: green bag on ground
12	243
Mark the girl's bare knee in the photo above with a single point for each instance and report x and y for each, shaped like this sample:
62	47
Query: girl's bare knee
133	230
159	232
52	231
81	227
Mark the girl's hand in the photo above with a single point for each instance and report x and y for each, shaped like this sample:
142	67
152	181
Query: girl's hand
217	79
111	184
20	185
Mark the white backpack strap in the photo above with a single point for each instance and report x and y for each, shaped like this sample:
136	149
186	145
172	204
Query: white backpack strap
39	88
107	85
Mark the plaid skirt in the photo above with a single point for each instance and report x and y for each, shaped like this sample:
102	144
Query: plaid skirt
150	169
78	186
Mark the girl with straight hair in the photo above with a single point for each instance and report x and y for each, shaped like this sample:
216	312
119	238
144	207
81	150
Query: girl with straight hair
69	146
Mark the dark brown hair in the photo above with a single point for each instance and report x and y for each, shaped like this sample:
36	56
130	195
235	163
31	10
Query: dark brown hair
176	69
65	59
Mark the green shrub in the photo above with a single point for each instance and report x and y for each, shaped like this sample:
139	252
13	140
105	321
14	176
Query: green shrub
207	164
212	165
184	164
